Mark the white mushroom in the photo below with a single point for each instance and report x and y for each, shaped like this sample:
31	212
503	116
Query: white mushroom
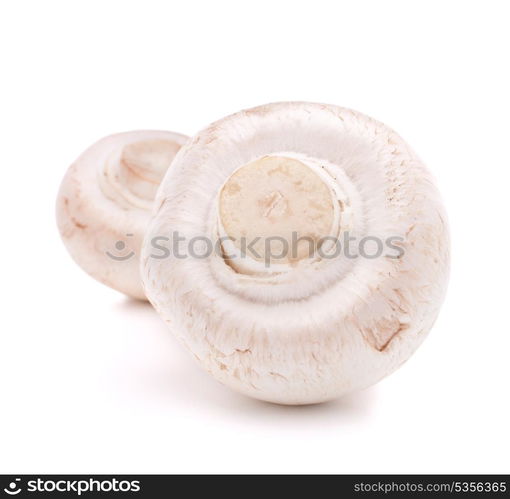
105	200
311	325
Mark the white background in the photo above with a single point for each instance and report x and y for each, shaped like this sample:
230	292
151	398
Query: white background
93	382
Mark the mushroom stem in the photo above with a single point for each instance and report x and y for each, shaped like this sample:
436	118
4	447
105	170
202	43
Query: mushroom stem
134	171
277	210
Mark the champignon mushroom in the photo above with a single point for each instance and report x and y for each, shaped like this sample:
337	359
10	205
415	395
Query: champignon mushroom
276	311
105	200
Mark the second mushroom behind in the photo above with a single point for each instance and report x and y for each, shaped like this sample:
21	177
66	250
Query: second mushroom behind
105	202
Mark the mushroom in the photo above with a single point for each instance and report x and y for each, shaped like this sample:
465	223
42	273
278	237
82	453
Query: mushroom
296	303
105	200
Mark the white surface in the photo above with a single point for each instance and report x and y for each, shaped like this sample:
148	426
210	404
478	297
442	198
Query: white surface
93	382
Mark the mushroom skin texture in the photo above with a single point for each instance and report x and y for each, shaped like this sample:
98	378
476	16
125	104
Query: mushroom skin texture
311	330
105	201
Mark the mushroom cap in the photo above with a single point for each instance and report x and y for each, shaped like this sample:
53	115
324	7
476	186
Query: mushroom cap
105	201
316	330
